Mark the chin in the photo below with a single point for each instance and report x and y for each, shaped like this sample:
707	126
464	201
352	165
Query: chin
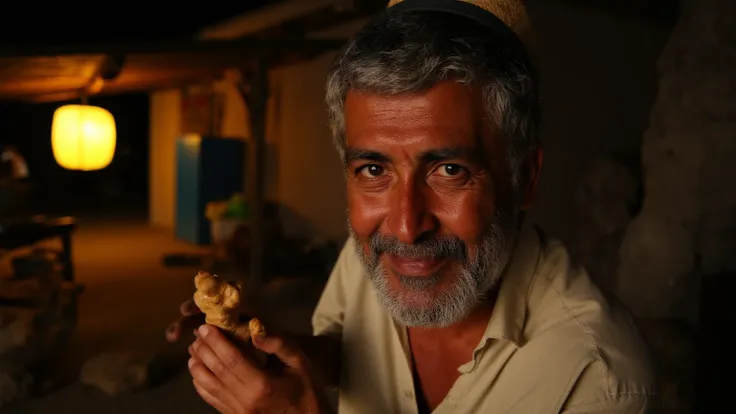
446	299
417	300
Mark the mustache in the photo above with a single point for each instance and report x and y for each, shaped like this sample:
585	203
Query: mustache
436	246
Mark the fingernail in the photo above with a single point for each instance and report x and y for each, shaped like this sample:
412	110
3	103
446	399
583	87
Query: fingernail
259	338
191	362
204	330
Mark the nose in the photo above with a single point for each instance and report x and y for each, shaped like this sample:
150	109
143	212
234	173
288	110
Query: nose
410	216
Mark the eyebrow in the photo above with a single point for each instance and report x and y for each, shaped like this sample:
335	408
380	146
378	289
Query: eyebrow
352	155
444	154
431	156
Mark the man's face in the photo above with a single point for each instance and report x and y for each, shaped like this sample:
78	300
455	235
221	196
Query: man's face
431	205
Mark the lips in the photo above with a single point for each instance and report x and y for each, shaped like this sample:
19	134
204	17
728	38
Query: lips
415	266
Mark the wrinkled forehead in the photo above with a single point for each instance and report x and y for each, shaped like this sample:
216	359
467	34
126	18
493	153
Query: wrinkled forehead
446	114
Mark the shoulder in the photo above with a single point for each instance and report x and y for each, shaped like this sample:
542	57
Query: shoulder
569	312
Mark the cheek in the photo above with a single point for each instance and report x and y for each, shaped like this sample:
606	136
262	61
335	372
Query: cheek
465	215
366	212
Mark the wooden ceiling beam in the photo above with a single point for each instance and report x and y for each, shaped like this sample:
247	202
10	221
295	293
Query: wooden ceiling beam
138	73
252	47
267	17
68	95
322	20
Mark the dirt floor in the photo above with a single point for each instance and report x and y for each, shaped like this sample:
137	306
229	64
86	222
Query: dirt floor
129	299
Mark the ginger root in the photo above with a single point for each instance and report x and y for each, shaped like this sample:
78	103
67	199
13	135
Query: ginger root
256	328
218	300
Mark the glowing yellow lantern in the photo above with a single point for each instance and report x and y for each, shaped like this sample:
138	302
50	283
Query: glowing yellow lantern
83	137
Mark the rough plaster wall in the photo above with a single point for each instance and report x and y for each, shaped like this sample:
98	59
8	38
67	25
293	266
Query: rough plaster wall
598	85
606	201
687	227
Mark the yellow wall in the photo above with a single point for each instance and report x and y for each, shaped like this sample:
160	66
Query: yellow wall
303	172
165	128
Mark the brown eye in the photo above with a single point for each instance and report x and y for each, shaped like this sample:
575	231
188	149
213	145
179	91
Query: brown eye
372	170
450	170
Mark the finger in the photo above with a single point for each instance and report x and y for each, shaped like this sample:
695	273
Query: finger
186	323
189	308
209	383
209	399
224	373
231	358
284	350
173	332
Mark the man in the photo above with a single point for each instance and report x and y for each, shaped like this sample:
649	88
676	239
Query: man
443	299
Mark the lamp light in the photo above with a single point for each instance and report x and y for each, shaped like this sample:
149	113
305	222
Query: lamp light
83	137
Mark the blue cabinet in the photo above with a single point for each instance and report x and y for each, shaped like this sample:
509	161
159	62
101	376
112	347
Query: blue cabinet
207	169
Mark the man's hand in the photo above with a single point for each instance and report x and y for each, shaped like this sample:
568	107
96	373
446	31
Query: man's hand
228	378
190	317
323	352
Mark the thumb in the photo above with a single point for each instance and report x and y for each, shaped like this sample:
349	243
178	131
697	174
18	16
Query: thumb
284	350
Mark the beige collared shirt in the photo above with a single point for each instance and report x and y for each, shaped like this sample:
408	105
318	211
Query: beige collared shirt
553	344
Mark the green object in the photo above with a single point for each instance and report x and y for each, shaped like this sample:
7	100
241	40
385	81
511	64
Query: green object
237	208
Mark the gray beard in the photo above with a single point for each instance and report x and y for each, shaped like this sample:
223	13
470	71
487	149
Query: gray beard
479	274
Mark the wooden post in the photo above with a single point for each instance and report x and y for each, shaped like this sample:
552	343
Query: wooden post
257	102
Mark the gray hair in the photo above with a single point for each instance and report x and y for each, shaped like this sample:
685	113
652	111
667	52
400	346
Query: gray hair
413	51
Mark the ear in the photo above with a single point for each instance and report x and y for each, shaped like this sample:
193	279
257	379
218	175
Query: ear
533	167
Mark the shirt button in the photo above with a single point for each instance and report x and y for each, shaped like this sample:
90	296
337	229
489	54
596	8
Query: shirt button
408	394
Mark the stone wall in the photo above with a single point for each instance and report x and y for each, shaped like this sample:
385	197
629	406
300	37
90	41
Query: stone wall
687	226
686	229
607	199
